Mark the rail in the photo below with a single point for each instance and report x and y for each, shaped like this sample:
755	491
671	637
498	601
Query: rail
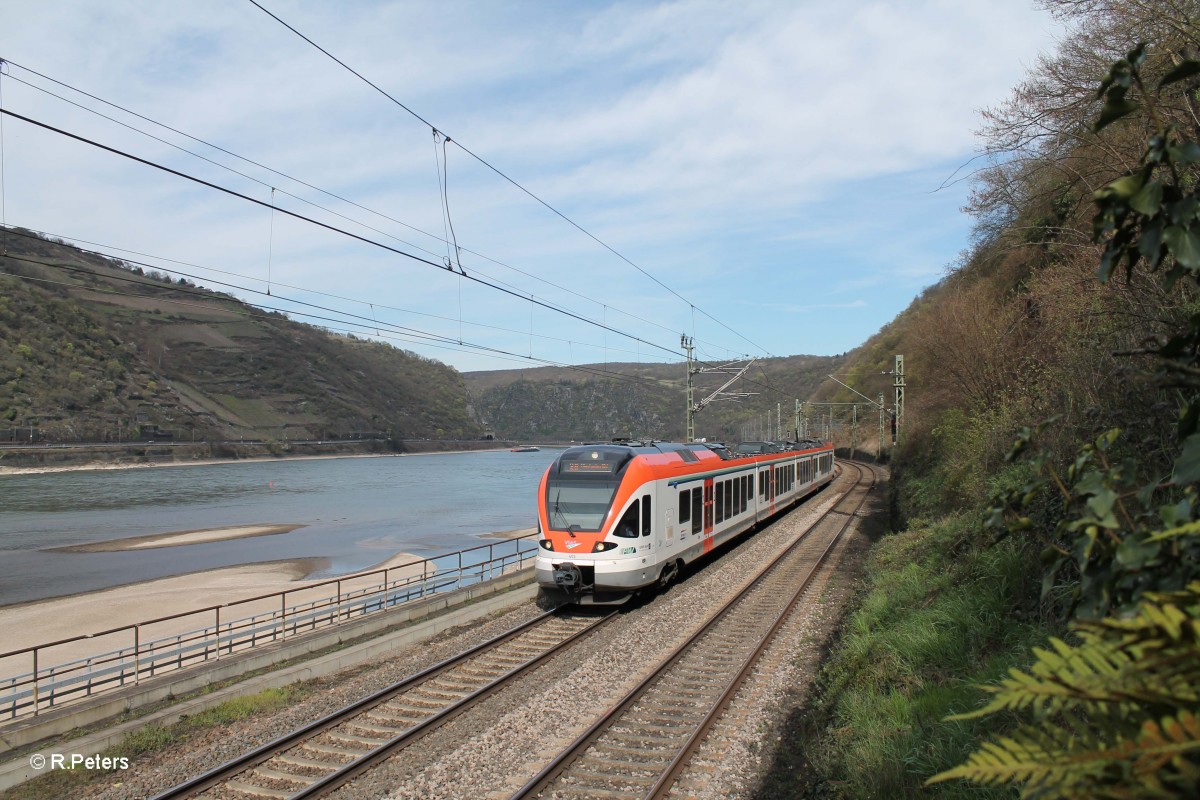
221	630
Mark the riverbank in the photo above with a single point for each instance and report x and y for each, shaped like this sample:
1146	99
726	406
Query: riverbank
40	621
94	466
34	460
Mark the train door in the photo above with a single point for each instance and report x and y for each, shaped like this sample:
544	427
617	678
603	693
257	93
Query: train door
708	514
771	488
649	529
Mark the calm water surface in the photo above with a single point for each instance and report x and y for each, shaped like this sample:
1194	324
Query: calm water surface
357	512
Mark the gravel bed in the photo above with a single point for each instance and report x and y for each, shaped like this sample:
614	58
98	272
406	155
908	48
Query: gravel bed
535	720
152	773
740	746
499	746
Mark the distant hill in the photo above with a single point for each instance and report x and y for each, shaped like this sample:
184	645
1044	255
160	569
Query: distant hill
94	350
559	404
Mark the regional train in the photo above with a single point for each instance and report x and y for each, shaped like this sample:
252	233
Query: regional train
620	517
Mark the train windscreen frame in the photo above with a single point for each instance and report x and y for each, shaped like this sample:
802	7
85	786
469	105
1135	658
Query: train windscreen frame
579	505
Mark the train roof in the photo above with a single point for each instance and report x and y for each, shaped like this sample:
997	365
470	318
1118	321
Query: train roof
613	456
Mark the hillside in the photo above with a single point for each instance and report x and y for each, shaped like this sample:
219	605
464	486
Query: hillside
557	404
94	350
1044	488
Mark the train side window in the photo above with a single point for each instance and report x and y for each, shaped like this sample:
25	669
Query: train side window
647	517
627	528
729	498
697	509
748	487
685	506
720	503
762	485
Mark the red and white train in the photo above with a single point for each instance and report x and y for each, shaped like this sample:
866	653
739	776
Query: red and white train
621	517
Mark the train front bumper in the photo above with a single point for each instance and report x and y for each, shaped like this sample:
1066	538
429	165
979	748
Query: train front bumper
595	575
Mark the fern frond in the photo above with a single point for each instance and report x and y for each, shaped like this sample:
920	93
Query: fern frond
1150	659
1071	677
1031	757
1162	761
1165	747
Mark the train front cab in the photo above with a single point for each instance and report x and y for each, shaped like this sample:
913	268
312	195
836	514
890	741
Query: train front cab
597	516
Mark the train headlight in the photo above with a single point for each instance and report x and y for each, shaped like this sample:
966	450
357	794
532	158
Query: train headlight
546	544
600	547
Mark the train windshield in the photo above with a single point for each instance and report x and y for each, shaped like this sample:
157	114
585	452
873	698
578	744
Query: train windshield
579	505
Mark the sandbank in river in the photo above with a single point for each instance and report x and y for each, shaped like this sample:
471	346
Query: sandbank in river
40	621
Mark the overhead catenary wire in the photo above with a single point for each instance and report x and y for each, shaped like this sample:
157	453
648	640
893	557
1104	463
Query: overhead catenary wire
303	303
273	207
500	173
394	332
108	250
413	334
514	358
327	226
443	240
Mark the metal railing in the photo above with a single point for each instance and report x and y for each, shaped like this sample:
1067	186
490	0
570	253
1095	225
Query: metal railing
218	631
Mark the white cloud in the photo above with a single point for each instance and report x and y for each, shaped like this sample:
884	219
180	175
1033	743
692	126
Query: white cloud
734	151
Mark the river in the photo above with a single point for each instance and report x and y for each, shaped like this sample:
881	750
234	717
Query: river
356	512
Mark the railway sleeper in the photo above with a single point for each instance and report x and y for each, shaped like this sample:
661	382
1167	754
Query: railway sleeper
482	672
385	730
336	749
368	742
308	763
628	782
661	716
619	750
425	703
504	663
647	736
462	683
444	696
683	703
397	718
591	793
592	763
279	775
257	791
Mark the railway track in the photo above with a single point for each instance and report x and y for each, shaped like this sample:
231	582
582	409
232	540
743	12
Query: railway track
325	754
637	749
641	746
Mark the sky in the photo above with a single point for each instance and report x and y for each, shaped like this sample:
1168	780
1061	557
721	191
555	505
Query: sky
768	178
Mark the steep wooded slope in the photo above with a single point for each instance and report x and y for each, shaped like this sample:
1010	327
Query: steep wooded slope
92	350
